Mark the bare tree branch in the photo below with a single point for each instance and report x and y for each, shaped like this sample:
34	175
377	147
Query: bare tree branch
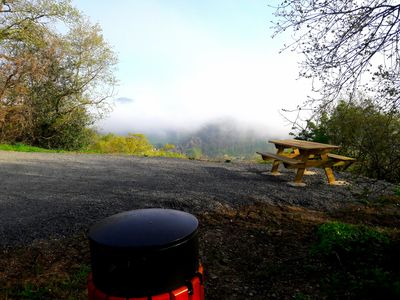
348	45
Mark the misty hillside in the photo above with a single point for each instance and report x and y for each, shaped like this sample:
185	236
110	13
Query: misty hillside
219	139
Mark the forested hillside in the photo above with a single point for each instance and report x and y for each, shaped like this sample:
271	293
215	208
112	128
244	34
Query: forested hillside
221	139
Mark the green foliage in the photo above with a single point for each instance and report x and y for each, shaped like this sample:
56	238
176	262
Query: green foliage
32	292
194	153
163	153
364	132
70	288
364	261
68	132
315	132
370	135
24	148
336	237
169	147
134	144
397	190
53	85
77	281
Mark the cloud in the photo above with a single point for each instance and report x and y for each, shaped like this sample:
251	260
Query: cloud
184	67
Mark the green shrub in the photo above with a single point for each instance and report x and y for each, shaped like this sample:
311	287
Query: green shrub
133	144
363	262
364	131
397	190
336	237
194	153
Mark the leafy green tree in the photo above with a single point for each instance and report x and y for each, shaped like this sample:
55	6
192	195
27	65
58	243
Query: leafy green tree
370	135
315	131
366	133
52	85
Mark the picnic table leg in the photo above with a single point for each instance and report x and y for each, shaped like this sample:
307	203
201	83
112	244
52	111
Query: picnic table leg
299	175
328	170
300	171
329	175
275	164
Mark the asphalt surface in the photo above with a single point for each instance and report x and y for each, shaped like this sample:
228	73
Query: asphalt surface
46	196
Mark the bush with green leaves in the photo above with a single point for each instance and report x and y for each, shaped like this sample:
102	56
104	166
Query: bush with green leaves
364	131
130	144
341	238
195	153
397	190
133	143
363	261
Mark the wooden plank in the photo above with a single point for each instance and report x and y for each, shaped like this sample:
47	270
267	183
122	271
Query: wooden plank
303	144
340	160
279	157
340	157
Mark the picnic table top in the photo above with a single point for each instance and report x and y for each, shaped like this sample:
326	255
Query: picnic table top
305	145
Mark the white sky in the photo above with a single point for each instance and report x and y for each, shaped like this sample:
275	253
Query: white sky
187	62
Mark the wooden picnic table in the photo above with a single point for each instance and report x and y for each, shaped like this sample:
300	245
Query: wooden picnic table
305	154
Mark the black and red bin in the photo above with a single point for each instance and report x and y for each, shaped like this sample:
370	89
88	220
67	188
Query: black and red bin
146	254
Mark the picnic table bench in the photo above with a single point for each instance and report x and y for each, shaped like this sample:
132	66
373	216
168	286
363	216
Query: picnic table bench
305	154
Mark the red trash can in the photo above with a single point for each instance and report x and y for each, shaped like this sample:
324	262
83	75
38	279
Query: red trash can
146	254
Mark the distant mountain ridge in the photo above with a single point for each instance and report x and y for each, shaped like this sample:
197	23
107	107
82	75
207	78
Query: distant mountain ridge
219	139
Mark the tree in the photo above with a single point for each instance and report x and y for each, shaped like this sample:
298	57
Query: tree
52	85
346	44
365	132
315	131
78	80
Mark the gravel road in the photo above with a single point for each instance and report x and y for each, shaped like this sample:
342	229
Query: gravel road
56	195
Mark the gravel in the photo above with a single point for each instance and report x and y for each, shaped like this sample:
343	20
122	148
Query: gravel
56	195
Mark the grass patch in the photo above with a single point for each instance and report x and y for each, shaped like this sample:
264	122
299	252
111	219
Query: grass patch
26	148
342	238
363	261
146	153
71	287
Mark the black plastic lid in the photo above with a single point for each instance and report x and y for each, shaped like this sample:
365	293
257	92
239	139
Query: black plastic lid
144	252
144	228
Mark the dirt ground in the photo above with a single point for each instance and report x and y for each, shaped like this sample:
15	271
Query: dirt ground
47	196
252	246
259	251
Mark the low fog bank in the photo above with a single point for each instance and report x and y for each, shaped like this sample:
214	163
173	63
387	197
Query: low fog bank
225	138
